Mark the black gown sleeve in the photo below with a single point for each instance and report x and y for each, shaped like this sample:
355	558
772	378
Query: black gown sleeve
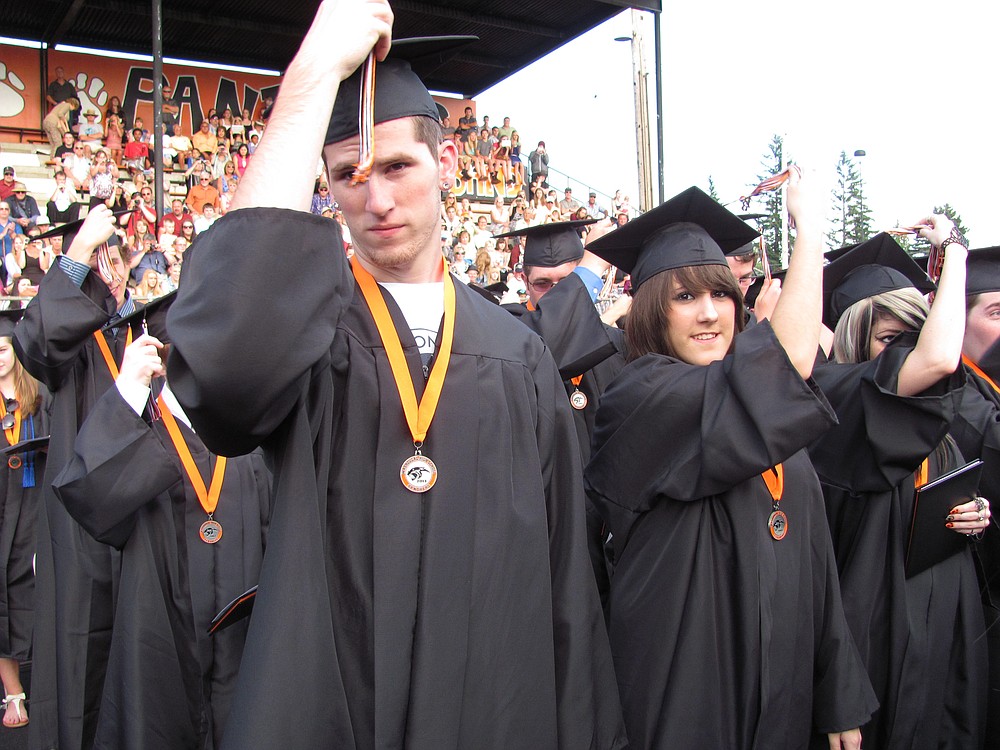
57	324
568	323
119	465
882	436
687	432
232	349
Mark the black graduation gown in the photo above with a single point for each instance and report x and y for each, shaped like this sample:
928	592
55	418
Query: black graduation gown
976	429
463	617
169	683
17	538
921	637
581	344
75	575
722	636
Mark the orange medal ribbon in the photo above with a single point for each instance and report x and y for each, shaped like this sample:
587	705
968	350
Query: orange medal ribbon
211	530
418	472
978	370
777	522
920	476
102	344
578	399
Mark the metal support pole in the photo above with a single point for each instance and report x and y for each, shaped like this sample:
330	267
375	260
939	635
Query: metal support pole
158	133
658	82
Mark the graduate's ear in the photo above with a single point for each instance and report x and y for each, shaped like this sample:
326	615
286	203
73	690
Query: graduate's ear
447	160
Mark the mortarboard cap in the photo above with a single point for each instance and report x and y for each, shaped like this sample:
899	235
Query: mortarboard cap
690	229
238	609
31	444
8	319
70	228
983	271
551	245
750	247
865	270
399	92
154	315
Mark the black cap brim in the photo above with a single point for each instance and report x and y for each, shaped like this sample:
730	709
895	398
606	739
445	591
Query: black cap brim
8	319
874	267
551	245
33	444
72	227
154	315
690	229
399	92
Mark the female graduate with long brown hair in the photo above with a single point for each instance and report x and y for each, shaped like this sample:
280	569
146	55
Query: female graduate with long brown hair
725	618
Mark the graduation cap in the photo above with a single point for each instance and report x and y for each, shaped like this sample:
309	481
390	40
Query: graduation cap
238	609
747	249
8	319
33	444
551	245
70	228
874	267
983	271
151	317
399	92
690	229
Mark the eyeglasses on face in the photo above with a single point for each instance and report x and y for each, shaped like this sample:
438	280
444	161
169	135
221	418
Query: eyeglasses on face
542	285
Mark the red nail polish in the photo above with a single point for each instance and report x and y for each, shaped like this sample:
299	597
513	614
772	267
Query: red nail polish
950	525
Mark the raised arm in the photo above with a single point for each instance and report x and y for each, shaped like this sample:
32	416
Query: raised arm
798	313
939	347
340	38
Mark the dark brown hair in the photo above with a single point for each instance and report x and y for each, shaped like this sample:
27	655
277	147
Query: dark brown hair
646	328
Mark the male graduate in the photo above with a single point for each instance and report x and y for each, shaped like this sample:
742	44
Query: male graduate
59	341
563	282
190	527
402	602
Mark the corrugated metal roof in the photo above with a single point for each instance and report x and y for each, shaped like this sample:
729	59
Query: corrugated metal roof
266	33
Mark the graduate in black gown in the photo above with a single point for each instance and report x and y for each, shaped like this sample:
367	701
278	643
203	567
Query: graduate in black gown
896	391
462	616
726	623
563	282
23	408
976	429
59	341
169	682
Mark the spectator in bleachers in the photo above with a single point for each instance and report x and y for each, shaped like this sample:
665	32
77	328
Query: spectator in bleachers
213	123
467	124
595	210
238	131
187	231
144	209
467	156
517	173
226	120
241	158
622	219
136	153
501	161
218	163
321	198
452	223
501	253
27	260
202	193
9	229
134	237
63	206
76	167
499	215
178	247
103	173
229	185
204	139
147	137
120	202
484	155
568	205
59	120
207	218
486	123
149	288
168	232
460	262
199	167
114	135
60	89
7	184
171	109
538	160
464	247
446	129
506	130
624	207
90	133
115	108
482	265
179	214
173	277
482	232
23	208
181	145
65	148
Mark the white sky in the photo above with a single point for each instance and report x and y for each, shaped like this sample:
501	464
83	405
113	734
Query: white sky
914	84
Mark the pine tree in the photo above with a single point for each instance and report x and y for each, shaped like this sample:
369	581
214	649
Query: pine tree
770	225
712	192
859	214
847	175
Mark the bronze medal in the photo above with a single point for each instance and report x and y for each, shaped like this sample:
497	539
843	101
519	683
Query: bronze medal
578	400
210	531
418	473
14	462
777	524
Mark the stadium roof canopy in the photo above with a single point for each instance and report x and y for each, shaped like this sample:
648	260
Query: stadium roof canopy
266	33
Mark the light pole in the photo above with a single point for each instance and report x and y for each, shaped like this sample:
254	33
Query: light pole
640	87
